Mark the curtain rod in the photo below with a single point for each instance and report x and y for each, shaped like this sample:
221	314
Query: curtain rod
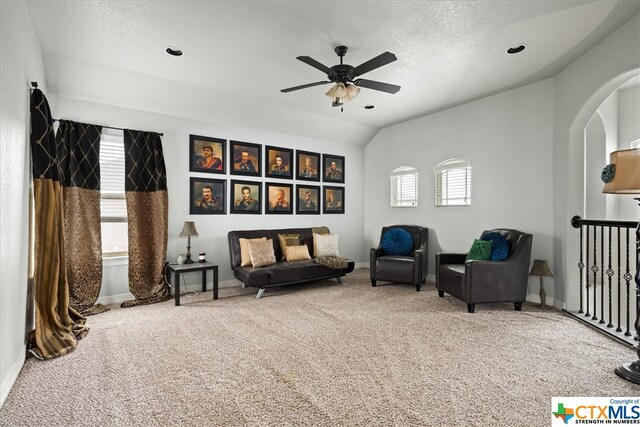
35	86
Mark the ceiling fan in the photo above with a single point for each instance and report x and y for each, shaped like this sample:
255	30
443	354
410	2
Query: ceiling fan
347	85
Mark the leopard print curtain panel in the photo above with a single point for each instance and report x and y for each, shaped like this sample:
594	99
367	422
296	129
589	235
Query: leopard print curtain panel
57	325
78	151
147	216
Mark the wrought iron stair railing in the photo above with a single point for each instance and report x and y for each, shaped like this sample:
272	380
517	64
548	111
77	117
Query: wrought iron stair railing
607	289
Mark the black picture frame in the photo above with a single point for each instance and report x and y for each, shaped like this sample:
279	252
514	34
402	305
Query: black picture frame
332	200
273	203
238	204
217	198
251	166
306	172
302	206
328	173
272	169
207	154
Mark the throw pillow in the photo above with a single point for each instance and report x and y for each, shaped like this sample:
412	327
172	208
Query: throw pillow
288	240
318	230
262	253
327	245
297	253
245	258
480	250
499	246
397	241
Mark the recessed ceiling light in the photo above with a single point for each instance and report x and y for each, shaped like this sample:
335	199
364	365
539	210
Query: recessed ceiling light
369	107
516	48
174	51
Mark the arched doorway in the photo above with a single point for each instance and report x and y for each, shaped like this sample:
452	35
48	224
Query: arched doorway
590	142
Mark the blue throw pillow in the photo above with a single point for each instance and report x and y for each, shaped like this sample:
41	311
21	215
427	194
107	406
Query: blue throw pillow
499	246
397	241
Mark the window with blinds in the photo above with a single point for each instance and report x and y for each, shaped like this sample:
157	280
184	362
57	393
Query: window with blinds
635	144
453	183
404	187
113	206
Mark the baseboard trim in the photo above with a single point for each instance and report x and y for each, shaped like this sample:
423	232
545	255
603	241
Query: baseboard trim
361	265
13	375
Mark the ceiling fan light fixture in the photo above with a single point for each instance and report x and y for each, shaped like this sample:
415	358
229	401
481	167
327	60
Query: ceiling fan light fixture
353	91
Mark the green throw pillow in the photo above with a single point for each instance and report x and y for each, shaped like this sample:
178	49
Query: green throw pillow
480	250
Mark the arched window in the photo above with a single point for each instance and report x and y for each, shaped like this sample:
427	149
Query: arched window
453	183
404	187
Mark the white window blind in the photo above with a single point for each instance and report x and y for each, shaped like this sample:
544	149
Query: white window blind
635	144
113	206
404	187
453	183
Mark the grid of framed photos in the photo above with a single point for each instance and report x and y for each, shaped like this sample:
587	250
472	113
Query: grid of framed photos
245	159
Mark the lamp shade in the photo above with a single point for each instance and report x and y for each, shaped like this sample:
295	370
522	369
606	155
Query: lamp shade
622	176
540	268
189	229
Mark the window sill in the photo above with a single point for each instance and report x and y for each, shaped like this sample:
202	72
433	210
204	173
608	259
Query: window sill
113	260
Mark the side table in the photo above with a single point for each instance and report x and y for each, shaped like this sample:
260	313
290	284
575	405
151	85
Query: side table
196	266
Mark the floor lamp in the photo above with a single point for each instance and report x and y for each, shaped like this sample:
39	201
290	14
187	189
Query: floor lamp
622	176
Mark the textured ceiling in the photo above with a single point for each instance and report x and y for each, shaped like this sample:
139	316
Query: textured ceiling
449	52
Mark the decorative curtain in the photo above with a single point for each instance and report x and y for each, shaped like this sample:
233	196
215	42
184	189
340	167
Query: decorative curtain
57	326
147	216
78	154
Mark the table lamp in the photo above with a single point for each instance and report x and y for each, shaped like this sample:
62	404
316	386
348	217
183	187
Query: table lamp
622	176
188	230
540	268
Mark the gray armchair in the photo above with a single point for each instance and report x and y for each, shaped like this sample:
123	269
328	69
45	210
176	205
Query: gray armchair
410	268
487	281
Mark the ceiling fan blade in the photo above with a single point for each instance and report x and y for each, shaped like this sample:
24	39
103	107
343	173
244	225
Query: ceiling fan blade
291	89
372	64
372	84
315	64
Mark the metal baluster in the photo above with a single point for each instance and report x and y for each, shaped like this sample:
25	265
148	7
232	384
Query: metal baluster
587	275
627	278
581	267
610	274
595	269
602	274
619	329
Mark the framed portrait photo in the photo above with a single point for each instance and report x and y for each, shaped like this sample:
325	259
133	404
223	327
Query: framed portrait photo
332	200
333	168
278	198
278	162
246	197
207	154
207	196
307	199
245	158
308	165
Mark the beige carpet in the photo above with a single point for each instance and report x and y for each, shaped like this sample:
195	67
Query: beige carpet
322	354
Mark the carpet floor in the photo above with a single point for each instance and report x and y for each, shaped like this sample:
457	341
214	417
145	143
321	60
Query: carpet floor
319	354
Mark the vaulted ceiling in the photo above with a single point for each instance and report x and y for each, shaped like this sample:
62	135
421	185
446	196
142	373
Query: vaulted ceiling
239	54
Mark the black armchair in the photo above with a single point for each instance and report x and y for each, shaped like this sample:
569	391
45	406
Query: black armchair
410	268
487	281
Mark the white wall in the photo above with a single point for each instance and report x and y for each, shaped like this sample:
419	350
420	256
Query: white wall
213	229
629	116
508	137
21	61
597	204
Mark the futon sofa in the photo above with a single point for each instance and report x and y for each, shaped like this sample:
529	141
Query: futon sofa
282	272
